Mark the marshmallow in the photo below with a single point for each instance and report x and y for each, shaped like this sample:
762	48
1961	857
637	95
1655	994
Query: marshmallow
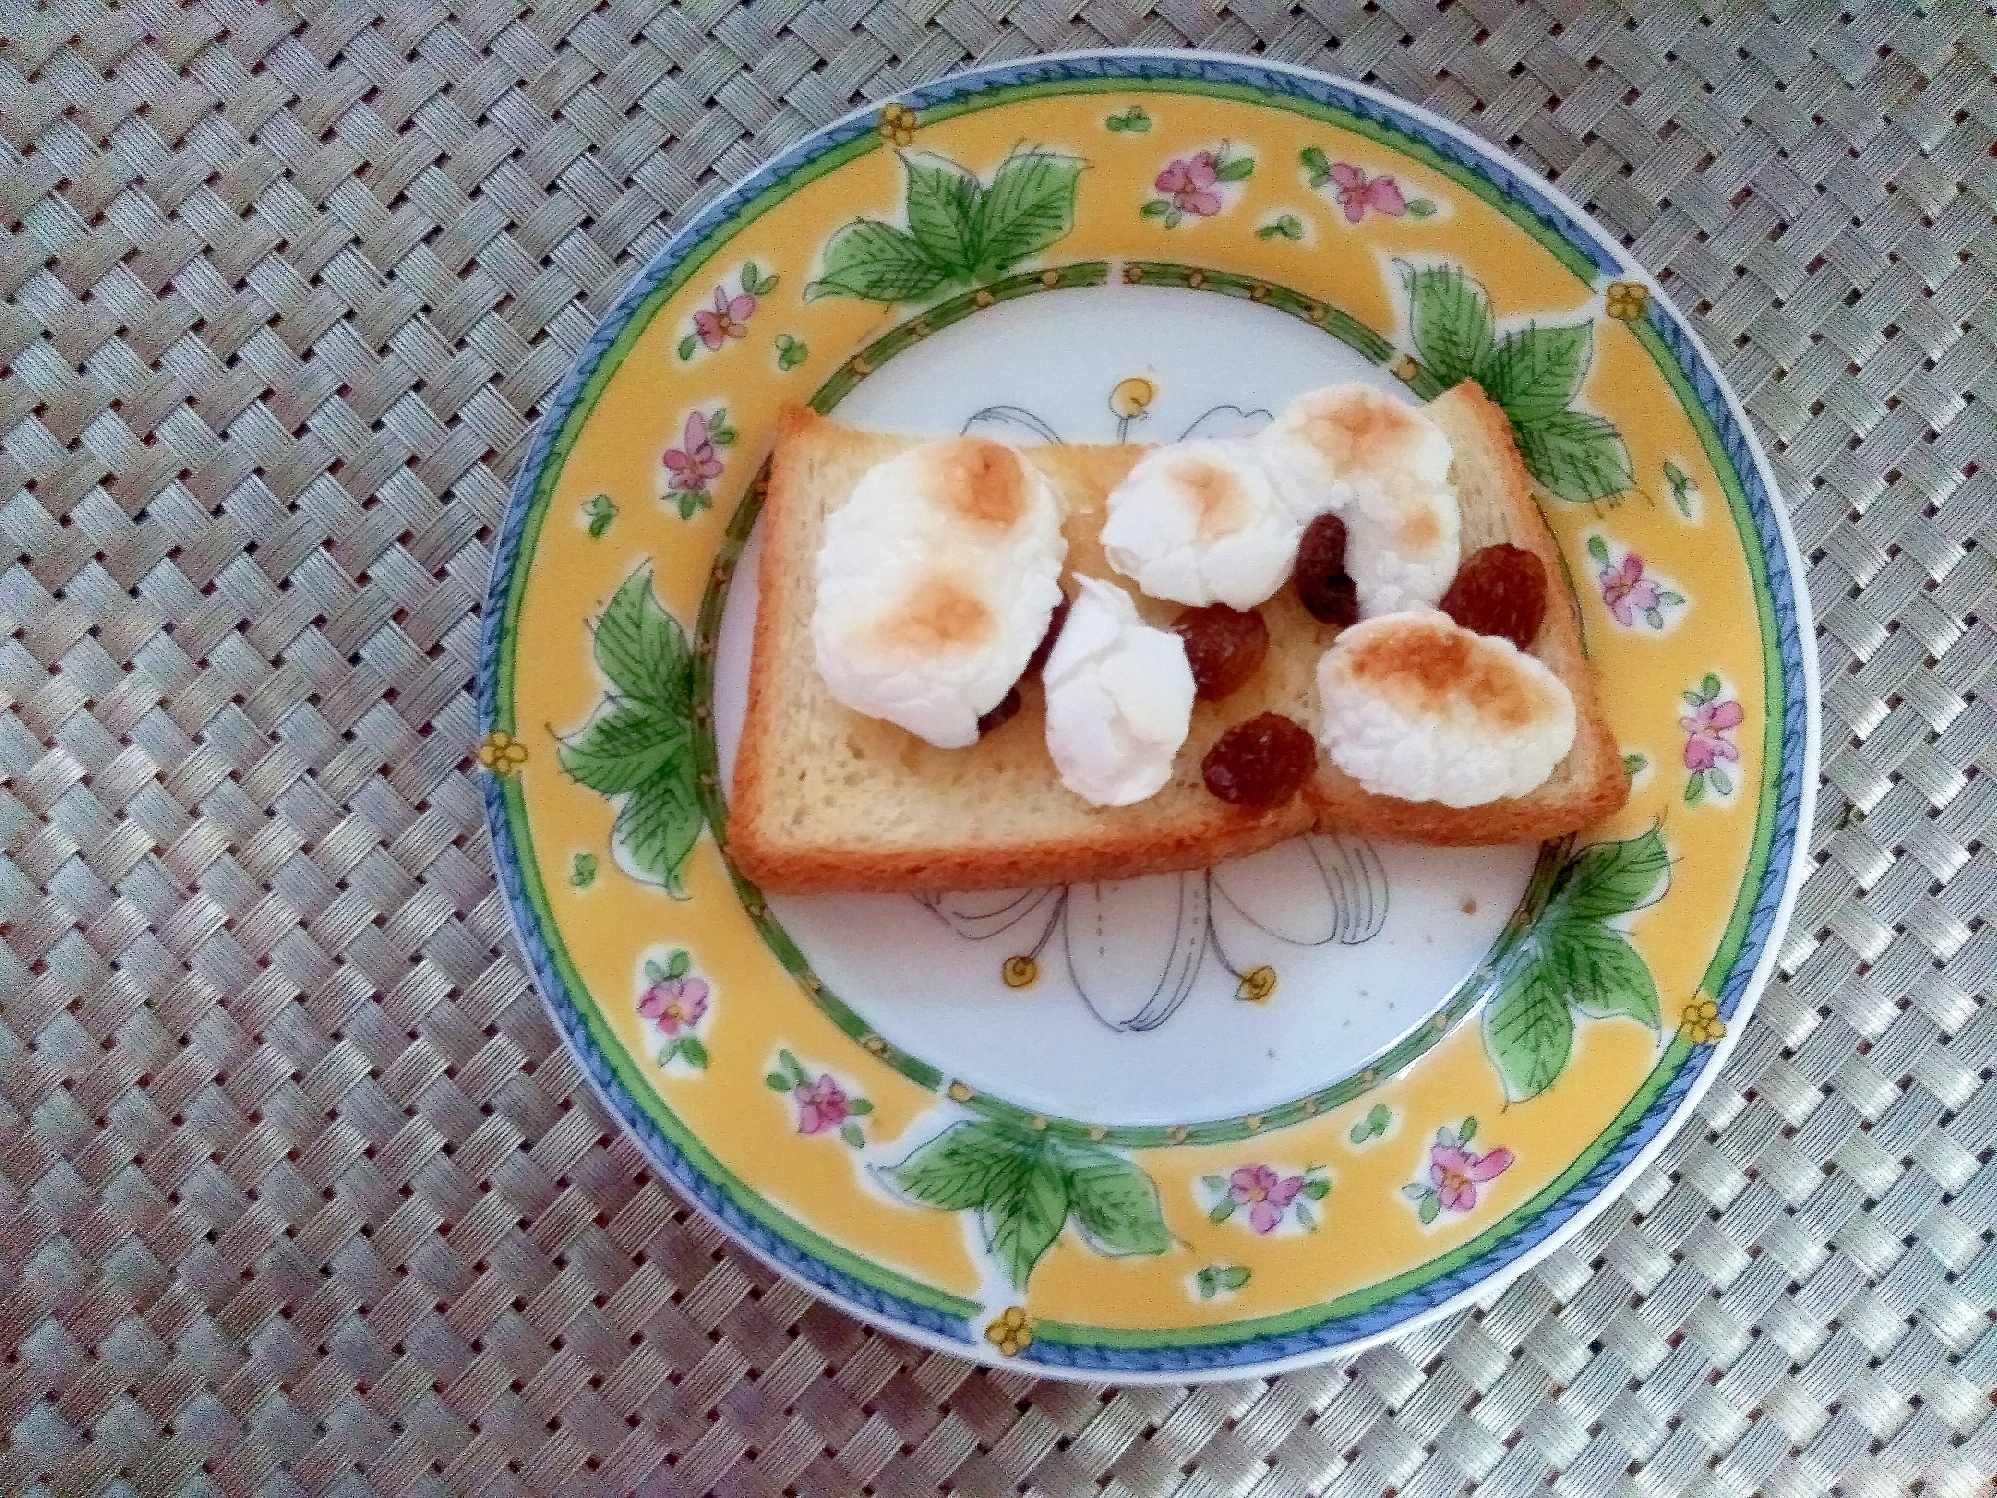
1119	699
1383	466
1417	707
936	579
1199	523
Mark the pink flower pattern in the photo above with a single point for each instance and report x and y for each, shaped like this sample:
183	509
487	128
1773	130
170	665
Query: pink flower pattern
1706	743
728	318
1189	183
1357	193
694	464
1267	1197
821	1105
1708	750
675	1004
1627	592
676	1001
1630	591
1192	185
1456	1172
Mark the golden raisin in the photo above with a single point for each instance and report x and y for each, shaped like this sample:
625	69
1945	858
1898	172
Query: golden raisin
1499	590
1261	762
1223	646
1322	583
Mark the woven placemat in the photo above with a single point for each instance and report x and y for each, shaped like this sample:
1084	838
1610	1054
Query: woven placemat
299	1190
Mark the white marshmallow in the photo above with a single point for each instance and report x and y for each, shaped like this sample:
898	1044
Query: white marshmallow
1417	707
1199	523
1383	466
1119	699
935	582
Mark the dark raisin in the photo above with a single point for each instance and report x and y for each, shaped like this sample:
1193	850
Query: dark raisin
1259	763
1327	592
1001	715
1499	590
1223	646
1038	660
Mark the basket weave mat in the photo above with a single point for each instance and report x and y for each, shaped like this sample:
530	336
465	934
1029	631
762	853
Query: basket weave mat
299	1190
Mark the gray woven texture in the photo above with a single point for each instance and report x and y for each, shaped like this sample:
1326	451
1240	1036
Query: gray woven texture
299	1190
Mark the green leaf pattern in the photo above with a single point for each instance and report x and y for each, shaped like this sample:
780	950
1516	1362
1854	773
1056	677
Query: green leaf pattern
637	748
1533	374
1373	1125
961	232
1575	961
599	510
1220	1279
1025	1186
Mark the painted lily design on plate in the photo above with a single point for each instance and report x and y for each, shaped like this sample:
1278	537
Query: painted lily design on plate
1309	892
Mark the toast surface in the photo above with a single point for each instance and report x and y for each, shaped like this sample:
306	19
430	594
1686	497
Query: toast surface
826	798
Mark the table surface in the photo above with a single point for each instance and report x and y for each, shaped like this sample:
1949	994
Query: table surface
299	1189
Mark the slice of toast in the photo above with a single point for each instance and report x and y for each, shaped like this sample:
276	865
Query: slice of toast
826	798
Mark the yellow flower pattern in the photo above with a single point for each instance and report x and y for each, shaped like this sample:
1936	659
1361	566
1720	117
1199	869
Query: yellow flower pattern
1627	299
501	753
1700	1022
897	124
1009	1331
1132	397
1256	985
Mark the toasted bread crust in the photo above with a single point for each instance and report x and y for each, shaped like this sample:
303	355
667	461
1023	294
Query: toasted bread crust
782	835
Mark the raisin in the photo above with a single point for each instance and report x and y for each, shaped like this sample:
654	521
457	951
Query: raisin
1499	590
1327	592
1008	707
1038	660
1260	762
1223	646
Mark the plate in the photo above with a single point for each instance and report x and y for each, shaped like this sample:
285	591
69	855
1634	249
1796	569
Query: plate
1181	1127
